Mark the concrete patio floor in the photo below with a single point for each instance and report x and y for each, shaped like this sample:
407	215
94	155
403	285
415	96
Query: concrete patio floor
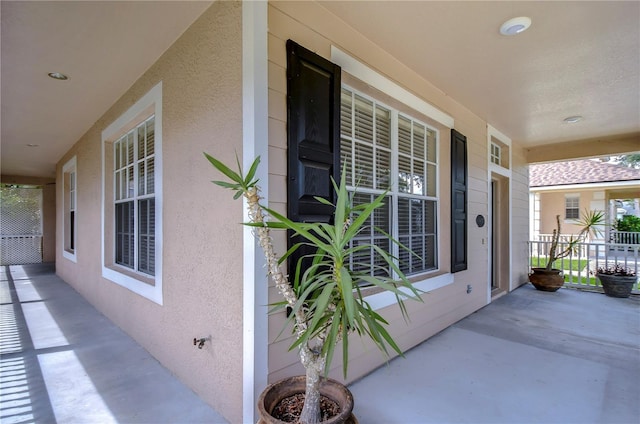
64	362
568	357
529	357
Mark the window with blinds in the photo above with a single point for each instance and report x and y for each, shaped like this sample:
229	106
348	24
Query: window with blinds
385	150
134	198
72	211
572	207
69	179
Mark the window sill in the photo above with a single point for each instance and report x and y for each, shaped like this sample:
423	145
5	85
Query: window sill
385	298
70	256
150	288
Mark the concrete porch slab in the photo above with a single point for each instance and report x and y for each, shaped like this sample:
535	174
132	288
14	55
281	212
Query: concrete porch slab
64	362
529	357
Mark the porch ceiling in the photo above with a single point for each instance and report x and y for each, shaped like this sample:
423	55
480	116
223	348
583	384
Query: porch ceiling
578	58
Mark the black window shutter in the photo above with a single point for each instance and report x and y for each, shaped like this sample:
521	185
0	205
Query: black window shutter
458	201
313	136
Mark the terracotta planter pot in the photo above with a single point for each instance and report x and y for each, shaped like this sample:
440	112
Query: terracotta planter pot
332	389
545	280
617	285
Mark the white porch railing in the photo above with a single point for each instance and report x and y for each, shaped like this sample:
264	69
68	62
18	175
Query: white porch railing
579	268
545	240
624	237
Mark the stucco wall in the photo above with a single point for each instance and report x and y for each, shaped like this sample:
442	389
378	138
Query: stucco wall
314	28
201	76
553	203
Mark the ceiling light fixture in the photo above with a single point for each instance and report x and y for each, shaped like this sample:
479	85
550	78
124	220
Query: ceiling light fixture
33	145
515	25
573	119
58	76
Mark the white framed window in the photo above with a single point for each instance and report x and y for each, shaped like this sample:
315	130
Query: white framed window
496	154
70	209
386	150
499	152
132	198
572	206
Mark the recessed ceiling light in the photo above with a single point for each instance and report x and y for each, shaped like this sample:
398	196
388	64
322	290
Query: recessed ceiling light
33	145
58	76
573	119
515	25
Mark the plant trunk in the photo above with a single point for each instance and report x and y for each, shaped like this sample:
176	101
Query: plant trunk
310	353
273	268
314	365
555	237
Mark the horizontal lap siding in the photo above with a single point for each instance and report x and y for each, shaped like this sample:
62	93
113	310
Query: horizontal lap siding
279	338
520	214
444	309
314	28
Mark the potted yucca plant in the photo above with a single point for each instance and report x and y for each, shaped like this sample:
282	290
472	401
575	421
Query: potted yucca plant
325	298
551	279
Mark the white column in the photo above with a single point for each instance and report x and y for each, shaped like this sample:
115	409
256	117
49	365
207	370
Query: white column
255	143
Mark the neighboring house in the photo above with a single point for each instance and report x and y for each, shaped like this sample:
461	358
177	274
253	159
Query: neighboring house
568	188
143	234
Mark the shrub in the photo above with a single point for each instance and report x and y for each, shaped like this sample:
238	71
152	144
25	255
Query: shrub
629	223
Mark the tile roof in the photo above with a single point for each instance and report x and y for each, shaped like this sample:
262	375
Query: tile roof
579	172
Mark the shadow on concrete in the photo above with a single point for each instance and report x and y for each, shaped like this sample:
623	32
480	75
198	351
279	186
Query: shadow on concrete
71	364
23	394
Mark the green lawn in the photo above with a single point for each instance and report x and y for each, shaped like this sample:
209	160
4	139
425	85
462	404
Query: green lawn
592	281
564	264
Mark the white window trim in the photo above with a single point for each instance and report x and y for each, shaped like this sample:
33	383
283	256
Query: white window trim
70	167
150	101
493	133
382	83
385	298
568	196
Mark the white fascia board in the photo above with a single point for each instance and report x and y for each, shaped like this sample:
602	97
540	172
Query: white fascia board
588	186
384	84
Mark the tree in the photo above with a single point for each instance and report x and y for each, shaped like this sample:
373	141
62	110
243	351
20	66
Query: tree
632	160
628	223
21	209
